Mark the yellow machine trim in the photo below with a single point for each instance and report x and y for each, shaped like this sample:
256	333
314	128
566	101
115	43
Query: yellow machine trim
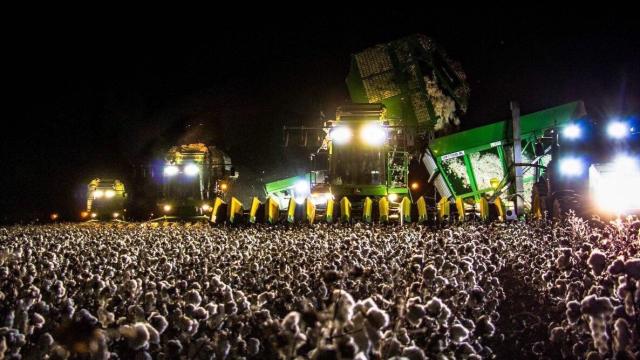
255	205
501	211
291	211
444	209
310	211
460	208
367	209
345	209
383	207
216	208
484	209
330	207
421	204
273	210
235	208
405	209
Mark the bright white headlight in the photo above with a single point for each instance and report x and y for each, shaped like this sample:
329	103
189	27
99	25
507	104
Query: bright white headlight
191	170
617	130
109	194
571	167
301	188
98	194
373	134
171	170
572	131
340	135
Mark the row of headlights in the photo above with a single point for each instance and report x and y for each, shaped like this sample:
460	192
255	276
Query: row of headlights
575	166
371	134
616	129
189	170
106	194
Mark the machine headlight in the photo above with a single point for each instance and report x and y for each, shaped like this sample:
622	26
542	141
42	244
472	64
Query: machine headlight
171	170
206	208
166	208
109	194
614	187
571	167
393	197
618	129
191	170
340	135
572	131
301	188
116	215
98	194
373	134
94	215
625	164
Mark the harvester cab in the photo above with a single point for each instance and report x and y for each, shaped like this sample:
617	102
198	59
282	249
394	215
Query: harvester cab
363	158
194	175
105	200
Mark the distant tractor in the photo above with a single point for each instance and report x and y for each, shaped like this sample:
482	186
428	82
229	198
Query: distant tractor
193	176
105	200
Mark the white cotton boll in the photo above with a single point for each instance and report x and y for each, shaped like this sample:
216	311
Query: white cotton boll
200	313
632	268
253	346
378	318
429	273
415	313
557	334
59	289
458	333
597	261
291	322
344	303
137	335
37	320
445	313
193	297
131	286
413	353
434	306
484	326
616	268
573	312
596	306
158	322
621	335
154	336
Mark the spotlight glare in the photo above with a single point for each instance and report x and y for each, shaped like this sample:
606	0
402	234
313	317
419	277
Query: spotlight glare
98	194
340	135
373	134
571	167
109	194
191	170
617	130
572	131
171	170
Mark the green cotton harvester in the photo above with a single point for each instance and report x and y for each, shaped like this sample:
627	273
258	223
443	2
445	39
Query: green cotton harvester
408	97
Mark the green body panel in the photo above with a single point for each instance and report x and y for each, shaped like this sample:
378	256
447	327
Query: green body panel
482	137
283	184
466	143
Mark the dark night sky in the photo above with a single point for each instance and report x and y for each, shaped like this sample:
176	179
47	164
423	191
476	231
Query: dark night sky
94	98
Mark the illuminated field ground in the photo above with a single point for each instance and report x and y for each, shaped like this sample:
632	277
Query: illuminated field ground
528	290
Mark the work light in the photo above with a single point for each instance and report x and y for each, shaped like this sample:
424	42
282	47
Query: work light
171	170
373	134
340	135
